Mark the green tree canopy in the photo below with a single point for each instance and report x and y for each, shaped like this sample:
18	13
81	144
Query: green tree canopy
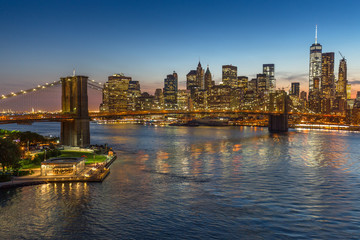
9	154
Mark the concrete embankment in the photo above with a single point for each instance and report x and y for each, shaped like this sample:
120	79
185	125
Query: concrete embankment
13	184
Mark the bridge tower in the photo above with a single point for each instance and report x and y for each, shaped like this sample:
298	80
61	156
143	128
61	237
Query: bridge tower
279	122
74	100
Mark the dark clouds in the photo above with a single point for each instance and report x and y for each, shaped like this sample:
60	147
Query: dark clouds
355	82
290	77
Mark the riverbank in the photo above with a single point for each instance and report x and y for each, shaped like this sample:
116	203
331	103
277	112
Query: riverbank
91	173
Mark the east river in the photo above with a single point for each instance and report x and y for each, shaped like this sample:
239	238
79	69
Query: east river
199	183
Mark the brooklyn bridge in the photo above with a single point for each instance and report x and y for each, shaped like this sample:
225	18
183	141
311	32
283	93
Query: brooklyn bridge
75	117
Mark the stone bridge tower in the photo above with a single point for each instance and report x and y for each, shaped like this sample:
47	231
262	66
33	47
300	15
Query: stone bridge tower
74	100
278	122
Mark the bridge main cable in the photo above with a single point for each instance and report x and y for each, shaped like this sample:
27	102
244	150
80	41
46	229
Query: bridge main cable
95	85
38	88
92	84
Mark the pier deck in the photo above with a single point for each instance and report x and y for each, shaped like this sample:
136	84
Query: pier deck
91	174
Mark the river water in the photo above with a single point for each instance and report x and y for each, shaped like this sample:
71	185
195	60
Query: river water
199	183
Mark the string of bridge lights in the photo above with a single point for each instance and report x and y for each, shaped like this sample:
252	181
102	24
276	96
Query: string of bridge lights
91	83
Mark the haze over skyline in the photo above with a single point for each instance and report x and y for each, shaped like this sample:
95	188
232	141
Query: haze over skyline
45	40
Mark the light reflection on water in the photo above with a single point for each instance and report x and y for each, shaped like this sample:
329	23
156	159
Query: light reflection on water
226	182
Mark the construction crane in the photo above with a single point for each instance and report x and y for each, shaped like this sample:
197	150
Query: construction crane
341	55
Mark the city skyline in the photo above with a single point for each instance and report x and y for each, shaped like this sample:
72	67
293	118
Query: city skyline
138	40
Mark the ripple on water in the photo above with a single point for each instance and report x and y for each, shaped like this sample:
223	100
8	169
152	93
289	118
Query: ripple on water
200	183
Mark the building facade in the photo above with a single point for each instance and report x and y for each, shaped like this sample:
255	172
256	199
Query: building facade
115	94
315	64
170	91
229	75
342	79
208	82
295	89
191	80
269	71
200	76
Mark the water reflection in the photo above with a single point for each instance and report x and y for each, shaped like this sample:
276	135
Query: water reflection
207	182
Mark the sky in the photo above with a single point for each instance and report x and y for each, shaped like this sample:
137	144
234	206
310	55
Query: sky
42	41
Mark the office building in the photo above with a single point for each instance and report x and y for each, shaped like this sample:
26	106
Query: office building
219	97
269	71
115	94
208	79
191	82
243	82
303	95
348	91
229	75
183	99
170	91
327	74
253	85
133	93
327	82
199	99
295	89
145	102
159	99
261	83
200	76
342	79
315	63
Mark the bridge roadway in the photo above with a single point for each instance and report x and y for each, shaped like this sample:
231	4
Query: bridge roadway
58	117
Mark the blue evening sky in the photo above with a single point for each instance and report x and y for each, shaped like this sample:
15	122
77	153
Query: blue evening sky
44	40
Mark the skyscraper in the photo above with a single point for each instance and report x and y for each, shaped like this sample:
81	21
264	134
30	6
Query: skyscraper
208	79
327	74
133	93
303	95
191	80
200	76
269	71
348	91
229	75
159	98
315	63
115	98
261	82
170	91
342	80
327	82
243	82
253	85
295	89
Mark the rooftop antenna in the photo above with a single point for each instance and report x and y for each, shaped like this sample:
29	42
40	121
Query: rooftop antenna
74	72
316	34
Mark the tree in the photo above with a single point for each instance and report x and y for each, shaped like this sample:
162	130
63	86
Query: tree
9	154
